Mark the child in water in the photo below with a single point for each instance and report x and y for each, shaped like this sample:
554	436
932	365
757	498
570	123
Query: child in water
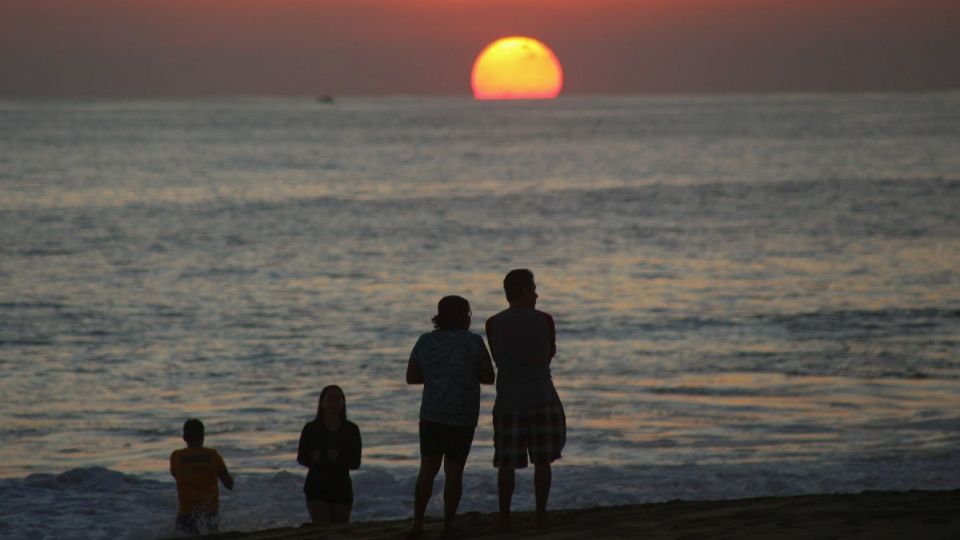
197	470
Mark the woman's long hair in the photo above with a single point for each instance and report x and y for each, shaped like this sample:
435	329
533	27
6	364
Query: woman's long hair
343	411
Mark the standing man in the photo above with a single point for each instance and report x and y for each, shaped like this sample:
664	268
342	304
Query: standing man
451	363
528	417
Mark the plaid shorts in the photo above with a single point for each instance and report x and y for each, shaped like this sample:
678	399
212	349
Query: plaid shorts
541	432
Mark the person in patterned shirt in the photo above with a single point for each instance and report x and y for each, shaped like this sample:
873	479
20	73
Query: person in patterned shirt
451	363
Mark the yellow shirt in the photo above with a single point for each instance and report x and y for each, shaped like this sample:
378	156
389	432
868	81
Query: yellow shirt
197	471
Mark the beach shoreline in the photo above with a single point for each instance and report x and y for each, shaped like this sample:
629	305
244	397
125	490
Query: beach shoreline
930	515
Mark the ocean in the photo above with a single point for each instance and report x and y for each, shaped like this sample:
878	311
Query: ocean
755	294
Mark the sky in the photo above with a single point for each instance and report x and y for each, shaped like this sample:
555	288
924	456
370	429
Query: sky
170	48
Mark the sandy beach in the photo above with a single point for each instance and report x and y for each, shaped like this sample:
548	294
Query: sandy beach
928	515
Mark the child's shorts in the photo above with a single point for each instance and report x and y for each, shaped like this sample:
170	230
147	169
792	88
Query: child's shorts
197	522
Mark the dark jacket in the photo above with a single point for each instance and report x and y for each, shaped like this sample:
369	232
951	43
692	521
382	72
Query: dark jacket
316	436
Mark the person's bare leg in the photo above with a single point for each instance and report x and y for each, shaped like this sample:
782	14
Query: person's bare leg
339	513
429	467
452	490
542	476
319	513
505	482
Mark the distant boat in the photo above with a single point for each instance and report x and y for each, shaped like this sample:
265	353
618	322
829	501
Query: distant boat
326	98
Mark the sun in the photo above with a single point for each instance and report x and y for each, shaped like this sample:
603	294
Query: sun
516	67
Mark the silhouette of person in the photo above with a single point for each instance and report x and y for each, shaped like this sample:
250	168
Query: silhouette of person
528	416
330	446
197	470
451	363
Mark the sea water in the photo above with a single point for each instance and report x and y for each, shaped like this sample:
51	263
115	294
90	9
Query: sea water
754	295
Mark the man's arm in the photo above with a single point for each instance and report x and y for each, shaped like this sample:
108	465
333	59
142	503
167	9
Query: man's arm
487	330
487	375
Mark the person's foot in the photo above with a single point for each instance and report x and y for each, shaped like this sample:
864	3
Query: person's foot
541	521
503	526
414	533
449	533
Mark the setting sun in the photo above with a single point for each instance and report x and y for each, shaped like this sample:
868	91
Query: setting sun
516	68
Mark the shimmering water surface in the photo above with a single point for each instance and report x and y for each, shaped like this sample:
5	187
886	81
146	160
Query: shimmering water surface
754	295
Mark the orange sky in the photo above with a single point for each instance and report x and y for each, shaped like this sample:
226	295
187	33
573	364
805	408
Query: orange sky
311	47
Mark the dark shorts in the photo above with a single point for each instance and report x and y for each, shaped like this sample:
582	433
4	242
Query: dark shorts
331	490
445	440
196	523
541	432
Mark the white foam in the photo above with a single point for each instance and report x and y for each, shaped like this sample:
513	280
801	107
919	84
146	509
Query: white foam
100	503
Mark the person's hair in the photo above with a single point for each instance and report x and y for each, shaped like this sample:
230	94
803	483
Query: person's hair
453	313
343	411
193	429
516	281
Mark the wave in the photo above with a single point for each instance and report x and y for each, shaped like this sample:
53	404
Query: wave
96	502
721	391
813	324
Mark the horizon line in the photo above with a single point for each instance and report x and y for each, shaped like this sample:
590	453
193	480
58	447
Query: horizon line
465	95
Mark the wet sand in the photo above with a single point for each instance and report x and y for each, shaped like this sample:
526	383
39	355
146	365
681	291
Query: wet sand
927	515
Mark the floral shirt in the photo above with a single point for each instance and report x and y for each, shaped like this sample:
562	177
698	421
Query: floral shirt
451	362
